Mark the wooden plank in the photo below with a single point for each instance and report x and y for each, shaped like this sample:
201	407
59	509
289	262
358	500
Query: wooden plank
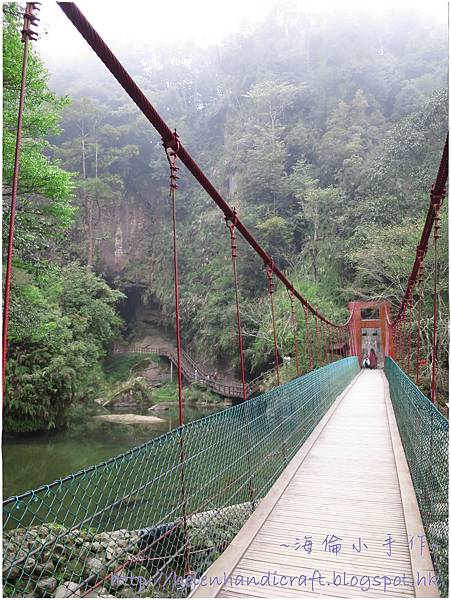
241	541
347	480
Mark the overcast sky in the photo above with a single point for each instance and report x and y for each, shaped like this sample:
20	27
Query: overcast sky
139	22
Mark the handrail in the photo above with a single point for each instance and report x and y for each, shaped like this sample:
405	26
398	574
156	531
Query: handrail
224	387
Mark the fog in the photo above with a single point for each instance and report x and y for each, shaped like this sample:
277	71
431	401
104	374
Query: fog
199	22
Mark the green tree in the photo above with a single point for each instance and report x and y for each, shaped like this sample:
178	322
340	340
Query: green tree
44	208
63	322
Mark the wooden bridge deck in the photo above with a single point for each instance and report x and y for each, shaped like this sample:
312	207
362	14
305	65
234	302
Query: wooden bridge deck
349	480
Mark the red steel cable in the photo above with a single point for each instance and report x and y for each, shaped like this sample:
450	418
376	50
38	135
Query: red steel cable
420	298
171	154
269	273
334	343
405	341
27	35
231	226
295	326
401	353
309	344
121	75
318	347
124	79
417	367
329	343
396	342
409	336
325	344
434	338
437	194
172	159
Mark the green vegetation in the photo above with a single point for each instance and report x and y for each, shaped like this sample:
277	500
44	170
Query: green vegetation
168	392
63	316
45	188
61	323
325	134
120	366
323	142
135	388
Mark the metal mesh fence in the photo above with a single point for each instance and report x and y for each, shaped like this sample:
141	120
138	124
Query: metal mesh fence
136	524
424	435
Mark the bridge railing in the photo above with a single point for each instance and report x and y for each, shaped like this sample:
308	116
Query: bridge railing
168	507
196	372
424	434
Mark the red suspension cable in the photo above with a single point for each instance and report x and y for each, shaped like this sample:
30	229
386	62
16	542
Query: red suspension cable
438	192
172	160
409	336
334	343
231	226
420	298
401	353
80	22
318	346
28	34
309	344
269	273
434	339
171	154
329	343
325	361
295	326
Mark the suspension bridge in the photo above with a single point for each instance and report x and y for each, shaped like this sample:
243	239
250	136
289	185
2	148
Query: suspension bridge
333	484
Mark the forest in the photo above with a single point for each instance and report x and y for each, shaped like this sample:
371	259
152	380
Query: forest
325	137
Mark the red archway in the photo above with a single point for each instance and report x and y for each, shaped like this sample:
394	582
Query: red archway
373	314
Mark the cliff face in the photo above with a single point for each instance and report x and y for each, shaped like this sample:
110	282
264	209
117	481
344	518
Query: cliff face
130	253
122	242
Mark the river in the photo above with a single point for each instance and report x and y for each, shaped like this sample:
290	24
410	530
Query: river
33	460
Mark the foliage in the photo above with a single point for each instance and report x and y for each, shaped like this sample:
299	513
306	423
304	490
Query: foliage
136	388
61	324
324	134
62	317
45	190
318	133
119	366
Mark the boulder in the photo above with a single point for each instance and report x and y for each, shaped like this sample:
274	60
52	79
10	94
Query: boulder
47	568
161	407
11	573
96	547
130	419
68	590
29	565
94	570
46	586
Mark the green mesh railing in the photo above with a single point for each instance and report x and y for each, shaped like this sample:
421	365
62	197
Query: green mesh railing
119	527
424	435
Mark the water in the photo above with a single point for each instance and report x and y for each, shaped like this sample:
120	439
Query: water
34	460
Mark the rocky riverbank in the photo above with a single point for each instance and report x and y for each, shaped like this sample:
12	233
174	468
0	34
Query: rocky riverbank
52	561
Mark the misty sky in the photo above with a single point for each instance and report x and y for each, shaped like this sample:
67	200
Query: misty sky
157	22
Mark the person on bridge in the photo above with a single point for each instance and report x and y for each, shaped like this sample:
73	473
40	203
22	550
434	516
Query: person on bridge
373	359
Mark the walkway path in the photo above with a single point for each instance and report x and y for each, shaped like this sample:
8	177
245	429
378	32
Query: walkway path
195	372
349	480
